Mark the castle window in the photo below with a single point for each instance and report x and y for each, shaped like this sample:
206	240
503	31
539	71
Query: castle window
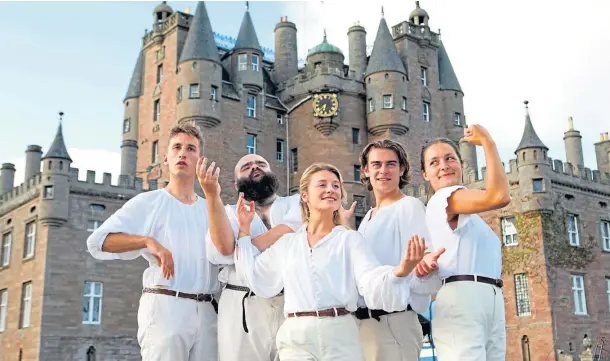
522	295
356	173
250	144
213	90
578	290
371	105
92	225
573	225
388	102
91	353
254	62
50	165
525	348
26	304
242	62
251	106
424	76
294	155
3	308
194	91
509	231
605	233
47	192
159	73
386	76
360	204
279	150
126	125
425	110
30	240
403	105
155	152
179	94
279	118
608	290
157	110
535	155
355	136
456	119
92	303
97	209
7	240
537	185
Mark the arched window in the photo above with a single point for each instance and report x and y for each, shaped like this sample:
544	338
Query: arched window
535	155
523	155
525	348
91	353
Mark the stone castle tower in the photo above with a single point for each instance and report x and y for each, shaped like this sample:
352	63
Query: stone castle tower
55	300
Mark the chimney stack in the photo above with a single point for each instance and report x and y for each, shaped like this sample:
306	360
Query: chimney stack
602	153
573	145
33	155
7	177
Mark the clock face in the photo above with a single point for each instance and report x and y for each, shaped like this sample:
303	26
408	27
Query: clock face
325	105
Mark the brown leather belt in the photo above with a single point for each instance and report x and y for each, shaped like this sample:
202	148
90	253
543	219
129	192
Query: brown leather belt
329	312
199	297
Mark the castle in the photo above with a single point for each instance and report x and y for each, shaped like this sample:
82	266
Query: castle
57	302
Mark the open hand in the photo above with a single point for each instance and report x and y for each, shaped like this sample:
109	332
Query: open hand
476	134
346	214
163	256
414	253
245	213
208	178
429	264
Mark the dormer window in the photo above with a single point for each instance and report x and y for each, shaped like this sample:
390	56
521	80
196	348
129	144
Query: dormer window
254	62
242	62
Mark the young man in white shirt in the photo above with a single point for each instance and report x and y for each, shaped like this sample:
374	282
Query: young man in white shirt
247	324
176	318
389	336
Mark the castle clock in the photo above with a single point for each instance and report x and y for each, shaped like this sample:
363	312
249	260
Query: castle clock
325	105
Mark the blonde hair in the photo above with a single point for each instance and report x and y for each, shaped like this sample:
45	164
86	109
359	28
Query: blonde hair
306	179
187	127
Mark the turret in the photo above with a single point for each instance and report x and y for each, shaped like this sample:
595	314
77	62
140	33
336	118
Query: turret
7	177
386	87
419	16
573	145
325	56
33	155
602	153
129	146
357	51
532	162
200	74
55	205
286	60
247	56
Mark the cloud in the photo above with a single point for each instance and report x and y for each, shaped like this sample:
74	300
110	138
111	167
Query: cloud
503	52
84	159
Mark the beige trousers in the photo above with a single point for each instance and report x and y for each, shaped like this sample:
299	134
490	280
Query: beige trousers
176	329
395	337
468	322
263	317
320	339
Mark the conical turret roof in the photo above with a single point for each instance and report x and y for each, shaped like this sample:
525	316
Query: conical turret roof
200	44
447	77
247	39
135	84
384	56
529	139
58	147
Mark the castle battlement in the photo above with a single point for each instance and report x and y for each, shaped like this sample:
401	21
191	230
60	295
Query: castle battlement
125	185
20	194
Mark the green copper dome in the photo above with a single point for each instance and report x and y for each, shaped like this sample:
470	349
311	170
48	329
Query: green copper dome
324	47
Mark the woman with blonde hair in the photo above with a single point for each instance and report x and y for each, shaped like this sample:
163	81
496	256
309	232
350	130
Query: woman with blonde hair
469	321
323	268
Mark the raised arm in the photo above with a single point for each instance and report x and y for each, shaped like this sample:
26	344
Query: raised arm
290	223
496	194
221	233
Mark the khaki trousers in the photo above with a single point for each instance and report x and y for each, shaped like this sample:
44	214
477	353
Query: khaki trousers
319	339
468	322
264	316
176	329
395	337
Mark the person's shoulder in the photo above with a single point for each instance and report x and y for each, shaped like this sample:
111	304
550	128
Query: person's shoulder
441	195
411	202
148	196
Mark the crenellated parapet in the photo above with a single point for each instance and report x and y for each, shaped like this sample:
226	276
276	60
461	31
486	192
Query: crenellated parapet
126	187
20	194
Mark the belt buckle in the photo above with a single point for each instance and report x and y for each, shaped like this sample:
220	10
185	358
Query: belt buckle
499	283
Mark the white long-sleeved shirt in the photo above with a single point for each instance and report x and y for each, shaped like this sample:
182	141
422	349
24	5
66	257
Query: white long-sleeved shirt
179	227
284	210
330	274
472	248
387	235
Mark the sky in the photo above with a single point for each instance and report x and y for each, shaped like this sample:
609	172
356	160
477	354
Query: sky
77	57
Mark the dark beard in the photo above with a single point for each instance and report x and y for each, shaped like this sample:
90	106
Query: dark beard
258	190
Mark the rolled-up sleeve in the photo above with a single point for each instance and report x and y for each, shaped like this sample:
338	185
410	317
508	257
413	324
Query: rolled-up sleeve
214	256
378	285
134	218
